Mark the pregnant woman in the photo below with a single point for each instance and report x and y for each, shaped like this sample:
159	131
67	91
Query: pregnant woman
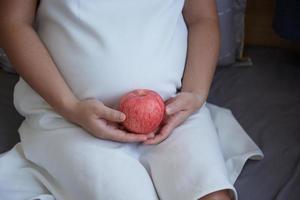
77	58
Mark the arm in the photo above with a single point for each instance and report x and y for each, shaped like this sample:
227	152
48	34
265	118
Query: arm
203	46
29	56
32	61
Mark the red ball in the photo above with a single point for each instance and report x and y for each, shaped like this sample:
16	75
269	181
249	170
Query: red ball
144	110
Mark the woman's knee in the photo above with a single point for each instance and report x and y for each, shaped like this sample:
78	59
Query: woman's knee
219	195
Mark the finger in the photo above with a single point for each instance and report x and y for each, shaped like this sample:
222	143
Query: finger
100	129
175	106
112	114
123	136
150	135
165	119
120	135
173	122
113	125
165	132
170	100
178	118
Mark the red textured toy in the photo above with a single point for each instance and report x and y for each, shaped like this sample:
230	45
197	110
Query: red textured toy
144	110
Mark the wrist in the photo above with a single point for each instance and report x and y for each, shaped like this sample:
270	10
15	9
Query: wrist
200	98
201	95
67	107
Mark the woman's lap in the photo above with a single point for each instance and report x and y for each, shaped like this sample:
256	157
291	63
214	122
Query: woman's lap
187	165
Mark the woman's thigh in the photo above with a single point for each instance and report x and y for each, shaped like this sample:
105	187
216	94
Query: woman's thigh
189	164
84	167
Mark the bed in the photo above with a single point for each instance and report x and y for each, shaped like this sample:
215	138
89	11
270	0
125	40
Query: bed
265	99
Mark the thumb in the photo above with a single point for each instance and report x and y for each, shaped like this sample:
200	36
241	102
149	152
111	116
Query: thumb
175	106
112	115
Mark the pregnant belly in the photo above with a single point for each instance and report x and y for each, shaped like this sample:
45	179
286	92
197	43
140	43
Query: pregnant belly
108	79
106	71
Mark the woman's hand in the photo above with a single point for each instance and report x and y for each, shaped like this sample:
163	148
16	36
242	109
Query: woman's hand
178	109
102	121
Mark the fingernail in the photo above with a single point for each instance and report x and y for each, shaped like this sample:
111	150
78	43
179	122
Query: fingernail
151	135
168	110
122	117
145	138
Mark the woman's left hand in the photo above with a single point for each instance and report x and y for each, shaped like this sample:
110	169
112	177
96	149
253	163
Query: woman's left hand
178	109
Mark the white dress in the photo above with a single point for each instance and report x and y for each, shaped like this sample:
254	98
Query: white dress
103	49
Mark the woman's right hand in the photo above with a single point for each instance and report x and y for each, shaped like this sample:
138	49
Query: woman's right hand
102	121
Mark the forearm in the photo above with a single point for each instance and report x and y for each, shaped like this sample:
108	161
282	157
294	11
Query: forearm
202	56
32	61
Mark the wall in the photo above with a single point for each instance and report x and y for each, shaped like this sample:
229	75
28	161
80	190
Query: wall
258	27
